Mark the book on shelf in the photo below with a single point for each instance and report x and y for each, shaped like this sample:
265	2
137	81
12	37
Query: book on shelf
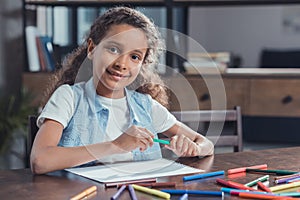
39	50
206	62
32	49
47	51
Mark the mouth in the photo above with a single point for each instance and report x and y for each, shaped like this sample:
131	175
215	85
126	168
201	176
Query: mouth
116	74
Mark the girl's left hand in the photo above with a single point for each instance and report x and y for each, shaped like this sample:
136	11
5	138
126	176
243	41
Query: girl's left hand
183	146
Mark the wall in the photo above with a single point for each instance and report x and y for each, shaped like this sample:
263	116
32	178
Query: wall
11	67
11	46
241	29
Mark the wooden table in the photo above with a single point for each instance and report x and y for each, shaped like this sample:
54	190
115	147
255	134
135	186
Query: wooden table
22	184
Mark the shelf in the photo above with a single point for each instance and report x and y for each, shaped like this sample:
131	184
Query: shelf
95	3
184	3
231	2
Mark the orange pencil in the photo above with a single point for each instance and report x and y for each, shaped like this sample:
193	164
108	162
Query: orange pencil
243	169
260	196
85	193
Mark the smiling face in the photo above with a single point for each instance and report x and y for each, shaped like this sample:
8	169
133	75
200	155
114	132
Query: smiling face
117	59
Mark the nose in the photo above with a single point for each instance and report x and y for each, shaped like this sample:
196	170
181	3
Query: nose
121	62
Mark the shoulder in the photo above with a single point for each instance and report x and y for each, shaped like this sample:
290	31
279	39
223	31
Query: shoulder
60	106
139	96
62	92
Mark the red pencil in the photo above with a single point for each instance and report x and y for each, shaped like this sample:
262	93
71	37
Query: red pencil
233	184
243	169
158	184
261	186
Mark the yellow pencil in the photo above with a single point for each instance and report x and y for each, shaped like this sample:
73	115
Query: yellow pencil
152	191
285	186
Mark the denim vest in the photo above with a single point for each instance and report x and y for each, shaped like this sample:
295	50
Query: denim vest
89	121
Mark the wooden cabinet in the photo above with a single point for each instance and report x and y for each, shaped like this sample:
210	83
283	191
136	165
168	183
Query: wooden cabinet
275	97
259	92
194	92
37	84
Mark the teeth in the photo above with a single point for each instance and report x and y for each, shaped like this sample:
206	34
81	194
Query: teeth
115	74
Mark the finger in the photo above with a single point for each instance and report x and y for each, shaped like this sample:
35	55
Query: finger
142	145
146	134
179	144
190	151
185	146
173	142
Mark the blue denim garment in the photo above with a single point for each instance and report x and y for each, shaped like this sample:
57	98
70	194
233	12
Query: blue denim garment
89	122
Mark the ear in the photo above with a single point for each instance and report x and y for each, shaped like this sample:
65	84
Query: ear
90	48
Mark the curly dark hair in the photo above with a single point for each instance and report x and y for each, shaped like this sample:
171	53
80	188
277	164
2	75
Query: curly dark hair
148	80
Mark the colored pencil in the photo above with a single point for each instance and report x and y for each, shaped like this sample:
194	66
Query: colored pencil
243	169
161	141
116	184
232	184
184	197
118	193
286	176
285	186
262	187
132	192
194	192
84	193
254	182
152	191
231	190
257	196
205	175
286	179
267	171
158	184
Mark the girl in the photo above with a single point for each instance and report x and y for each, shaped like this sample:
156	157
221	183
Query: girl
116	114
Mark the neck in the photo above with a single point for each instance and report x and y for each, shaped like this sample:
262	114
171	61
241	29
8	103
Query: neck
109	93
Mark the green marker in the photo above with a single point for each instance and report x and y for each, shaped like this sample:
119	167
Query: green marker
254	182
161	141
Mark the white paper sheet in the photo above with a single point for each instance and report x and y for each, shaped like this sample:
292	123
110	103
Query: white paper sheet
127	171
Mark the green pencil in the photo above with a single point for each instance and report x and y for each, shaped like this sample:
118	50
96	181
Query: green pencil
277	172
254	182
161	141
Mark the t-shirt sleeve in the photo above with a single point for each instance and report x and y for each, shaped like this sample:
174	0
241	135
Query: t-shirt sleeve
60	106
162	119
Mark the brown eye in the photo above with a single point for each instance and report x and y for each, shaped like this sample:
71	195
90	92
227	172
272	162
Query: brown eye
136	57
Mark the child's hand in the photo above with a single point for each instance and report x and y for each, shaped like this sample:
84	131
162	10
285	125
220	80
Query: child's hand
133	138
183	146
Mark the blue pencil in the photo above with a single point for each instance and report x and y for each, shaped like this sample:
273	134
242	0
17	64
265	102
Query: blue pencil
195	192
132	192
199	176
118	193
289	194
228	190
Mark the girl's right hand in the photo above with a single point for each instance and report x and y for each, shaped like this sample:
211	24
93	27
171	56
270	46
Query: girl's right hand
134	137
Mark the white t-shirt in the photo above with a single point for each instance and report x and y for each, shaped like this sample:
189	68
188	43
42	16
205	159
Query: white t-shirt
62	100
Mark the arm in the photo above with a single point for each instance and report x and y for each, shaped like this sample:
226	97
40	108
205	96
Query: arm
46	156
186	142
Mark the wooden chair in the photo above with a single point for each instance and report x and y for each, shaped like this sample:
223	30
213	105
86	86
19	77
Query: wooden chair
32	131
218	117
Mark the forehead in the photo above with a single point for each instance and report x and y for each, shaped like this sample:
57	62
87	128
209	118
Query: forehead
126	35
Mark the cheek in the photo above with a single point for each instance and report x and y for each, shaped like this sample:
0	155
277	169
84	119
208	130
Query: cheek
135	71
100	64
